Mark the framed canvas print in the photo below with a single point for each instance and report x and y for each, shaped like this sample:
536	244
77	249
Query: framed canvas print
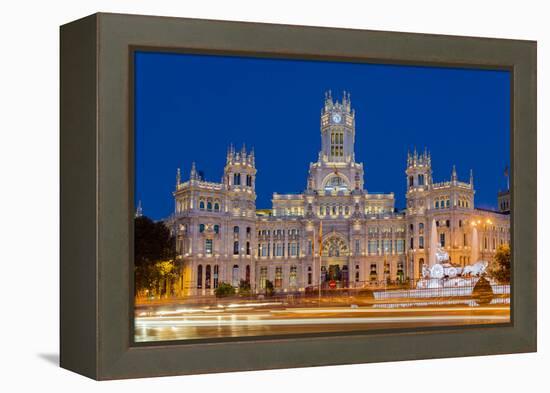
240	196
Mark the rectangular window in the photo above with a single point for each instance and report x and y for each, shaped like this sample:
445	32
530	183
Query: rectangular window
264	249
442	239
400	246
357	247
387	246
309	247
208	246
278	277
373	247
421	242
235	248
293	249
279	249
263	276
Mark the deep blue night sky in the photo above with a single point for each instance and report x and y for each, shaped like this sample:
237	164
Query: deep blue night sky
191	107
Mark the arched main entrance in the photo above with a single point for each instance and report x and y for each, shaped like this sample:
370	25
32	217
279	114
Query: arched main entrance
335	261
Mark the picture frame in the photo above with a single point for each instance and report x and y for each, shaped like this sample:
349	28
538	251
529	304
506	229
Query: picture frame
97	177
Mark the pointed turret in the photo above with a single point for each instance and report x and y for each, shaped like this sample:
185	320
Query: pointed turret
178	177
139	210
453	175
193	175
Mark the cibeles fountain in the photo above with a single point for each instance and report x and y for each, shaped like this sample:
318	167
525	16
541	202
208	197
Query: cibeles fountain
441	273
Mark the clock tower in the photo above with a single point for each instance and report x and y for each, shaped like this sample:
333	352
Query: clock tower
336	169
337	130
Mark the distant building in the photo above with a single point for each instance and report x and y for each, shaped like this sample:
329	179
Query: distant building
221	237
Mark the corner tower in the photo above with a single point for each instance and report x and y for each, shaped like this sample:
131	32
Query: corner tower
240	181
419	181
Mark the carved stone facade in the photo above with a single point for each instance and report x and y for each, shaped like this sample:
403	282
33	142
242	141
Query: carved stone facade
221	237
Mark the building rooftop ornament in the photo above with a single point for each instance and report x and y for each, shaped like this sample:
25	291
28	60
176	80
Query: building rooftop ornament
193	175
416	159
139	210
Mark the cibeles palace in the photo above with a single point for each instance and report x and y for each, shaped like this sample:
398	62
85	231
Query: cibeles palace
222	237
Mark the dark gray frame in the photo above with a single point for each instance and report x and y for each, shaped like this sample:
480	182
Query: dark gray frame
97	186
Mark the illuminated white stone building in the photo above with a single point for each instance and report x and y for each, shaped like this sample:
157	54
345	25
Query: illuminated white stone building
221	237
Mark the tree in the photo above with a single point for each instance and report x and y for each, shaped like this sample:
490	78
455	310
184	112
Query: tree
501	269
154	256
244	288
224	290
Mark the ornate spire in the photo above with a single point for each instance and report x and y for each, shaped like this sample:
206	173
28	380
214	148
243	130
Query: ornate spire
453	174
139	210
194	175
471	178
252	157
178	177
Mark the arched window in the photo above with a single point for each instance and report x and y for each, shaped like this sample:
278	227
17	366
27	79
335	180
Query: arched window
216	228
207	277
235	276
199	276
335	247
216	273
209	206
437	204
247	248
420	180
201	228
235	248
201	204
293	278
216	206
235	229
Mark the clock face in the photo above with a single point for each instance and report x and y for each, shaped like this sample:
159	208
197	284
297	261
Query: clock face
336	118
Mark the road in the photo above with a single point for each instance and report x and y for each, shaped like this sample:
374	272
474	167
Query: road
183	322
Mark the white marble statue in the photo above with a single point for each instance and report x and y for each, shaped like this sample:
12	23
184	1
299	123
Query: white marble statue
477	269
